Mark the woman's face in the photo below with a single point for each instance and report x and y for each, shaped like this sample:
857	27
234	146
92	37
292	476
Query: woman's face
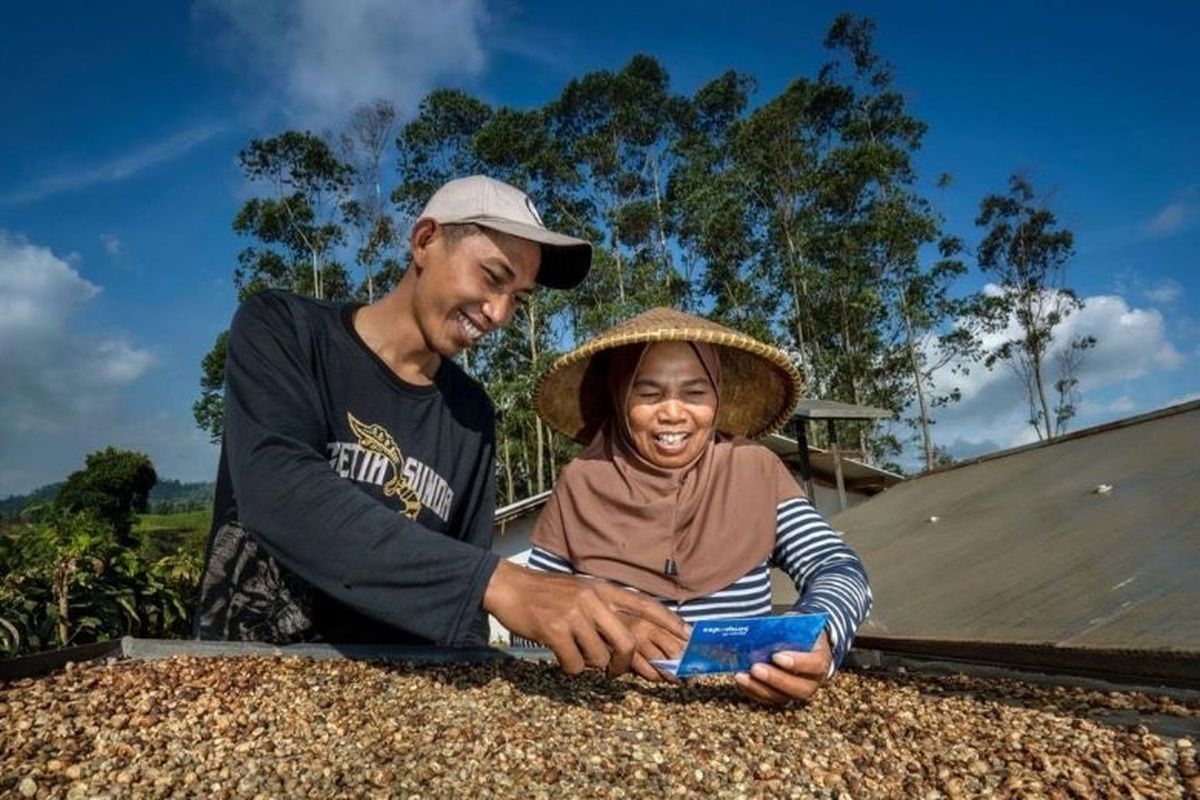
672	405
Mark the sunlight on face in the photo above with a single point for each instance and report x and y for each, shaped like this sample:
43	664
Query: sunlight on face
672	405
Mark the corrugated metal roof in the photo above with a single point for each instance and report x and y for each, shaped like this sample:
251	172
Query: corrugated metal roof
1028	545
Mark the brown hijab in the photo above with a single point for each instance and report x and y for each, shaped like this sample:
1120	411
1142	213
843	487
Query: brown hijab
677	533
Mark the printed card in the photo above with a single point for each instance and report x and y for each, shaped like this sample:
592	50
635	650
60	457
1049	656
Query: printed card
719	646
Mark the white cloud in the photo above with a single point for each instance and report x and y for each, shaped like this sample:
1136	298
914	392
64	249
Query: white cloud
1175	216
1169	220
1132	344
1121	405
112	244
48	373
58	387
1164	292
117	168
321	59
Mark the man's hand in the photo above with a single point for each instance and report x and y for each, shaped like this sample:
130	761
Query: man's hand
585	622
791	675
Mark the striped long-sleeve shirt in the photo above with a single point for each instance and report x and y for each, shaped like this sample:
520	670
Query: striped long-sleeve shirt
828	576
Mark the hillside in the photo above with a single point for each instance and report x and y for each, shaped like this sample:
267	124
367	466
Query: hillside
166	497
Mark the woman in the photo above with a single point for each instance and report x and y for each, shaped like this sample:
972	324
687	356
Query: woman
671	496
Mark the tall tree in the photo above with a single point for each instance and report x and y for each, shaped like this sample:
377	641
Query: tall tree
295	230
1025	252
365	145
898	228
436	146
616	127
710	199
114	485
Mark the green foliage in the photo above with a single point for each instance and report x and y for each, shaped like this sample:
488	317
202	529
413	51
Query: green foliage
68	580
180	532
113	485
1026	253
209	410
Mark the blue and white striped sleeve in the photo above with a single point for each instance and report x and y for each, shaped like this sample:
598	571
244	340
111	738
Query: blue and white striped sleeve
545	561
828	575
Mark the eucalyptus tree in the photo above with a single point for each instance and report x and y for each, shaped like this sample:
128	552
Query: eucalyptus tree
435	147
779	152
710	200
297	226
1025	252
900	235
617	128
295	231
365	144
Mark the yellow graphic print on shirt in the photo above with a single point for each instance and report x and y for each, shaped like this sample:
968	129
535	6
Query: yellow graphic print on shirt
376	439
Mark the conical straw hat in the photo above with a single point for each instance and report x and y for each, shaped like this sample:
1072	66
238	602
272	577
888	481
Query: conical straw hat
759	385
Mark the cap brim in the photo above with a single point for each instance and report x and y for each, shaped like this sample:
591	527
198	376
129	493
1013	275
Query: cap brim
565	259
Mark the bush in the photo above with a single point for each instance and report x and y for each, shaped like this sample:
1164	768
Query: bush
68	580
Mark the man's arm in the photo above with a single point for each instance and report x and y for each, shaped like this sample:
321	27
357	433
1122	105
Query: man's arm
315	523
580	619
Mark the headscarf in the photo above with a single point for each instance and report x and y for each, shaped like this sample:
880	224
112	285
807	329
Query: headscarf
676	533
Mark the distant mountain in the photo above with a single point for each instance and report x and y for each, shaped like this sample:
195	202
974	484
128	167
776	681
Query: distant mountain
12	505
166	496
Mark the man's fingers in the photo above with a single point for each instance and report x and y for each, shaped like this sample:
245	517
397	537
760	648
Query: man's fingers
646	608
570	660
621	643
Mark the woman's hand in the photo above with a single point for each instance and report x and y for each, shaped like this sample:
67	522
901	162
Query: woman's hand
652	642
791	675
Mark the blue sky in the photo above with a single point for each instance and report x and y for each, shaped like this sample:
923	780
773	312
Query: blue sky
118	177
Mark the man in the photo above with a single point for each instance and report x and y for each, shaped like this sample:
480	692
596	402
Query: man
355	491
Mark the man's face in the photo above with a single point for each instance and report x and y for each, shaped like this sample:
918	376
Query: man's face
470	287
672	405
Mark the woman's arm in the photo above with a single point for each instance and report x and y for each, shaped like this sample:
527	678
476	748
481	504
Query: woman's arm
828	575
545	561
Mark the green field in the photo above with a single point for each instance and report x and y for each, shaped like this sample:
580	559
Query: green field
168	534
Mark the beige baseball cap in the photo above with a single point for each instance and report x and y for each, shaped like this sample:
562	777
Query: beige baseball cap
494	204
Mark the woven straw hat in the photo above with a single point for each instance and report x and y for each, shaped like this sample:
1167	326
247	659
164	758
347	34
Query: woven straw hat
759	385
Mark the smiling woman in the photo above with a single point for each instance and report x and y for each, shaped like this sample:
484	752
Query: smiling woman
672	402
673	499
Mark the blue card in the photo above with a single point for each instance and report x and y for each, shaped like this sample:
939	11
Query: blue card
719	646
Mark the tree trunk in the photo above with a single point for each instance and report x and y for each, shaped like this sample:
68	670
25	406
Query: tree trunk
62	599
531	321
508	473
799	296
1041	391
856	397
662	226
316	277
918	381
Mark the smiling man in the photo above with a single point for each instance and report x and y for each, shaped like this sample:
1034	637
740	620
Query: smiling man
355	492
